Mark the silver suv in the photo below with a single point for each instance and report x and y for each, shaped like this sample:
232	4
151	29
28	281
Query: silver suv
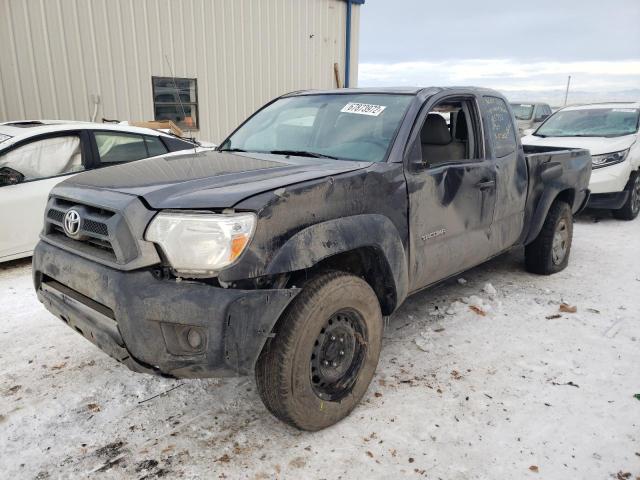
530	115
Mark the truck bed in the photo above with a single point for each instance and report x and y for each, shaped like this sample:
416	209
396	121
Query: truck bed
554	171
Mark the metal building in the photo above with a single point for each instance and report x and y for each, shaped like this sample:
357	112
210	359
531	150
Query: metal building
128	59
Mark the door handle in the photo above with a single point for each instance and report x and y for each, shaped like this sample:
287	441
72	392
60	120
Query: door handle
486	185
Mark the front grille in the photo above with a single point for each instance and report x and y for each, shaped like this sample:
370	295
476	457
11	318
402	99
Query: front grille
56	215
92	226
101	249
111	233
93	236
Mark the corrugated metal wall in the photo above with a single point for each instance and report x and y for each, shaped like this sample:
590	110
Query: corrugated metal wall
55	54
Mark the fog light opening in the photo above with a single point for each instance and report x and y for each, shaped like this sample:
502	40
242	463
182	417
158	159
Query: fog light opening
194	338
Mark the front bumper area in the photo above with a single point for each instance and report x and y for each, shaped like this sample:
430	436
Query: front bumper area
160	326
611	201
610	179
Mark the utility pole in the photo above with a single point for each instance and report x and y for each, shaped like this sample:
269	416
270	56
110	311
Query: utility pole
566	93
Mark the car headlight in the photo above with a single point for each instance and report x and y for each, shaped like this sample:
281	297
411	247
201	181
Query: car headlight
201	244
599	161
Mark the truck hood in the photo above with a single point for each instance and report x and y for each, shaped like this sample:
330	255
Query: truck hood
596	145
208	179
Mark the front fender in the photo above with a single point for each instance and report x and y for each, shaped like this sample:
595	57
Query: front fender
325	239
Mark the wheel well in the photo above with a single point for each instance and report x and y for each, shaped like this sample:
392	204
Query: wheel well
365	262
567	196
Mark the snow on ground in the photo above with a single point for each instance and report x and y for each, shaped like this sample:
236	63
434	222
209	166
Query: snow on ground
484	378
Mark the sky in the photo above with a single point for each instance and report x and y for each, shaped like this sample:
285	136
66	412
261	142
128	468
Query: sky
524	49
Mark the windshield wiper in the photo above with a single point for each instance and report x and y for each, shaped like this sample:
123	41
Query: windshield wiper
231	150
539	135
301	153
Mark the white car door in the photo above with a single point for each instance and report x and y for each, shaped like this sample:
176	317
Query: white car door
43	162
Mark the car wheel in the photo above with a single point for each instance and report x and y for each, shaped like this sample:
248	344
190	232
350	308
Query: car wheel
325	351
631	208
549	252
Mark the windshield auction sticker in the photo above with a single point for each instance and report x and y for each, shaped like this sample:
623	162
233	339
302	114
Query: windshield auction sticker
363	109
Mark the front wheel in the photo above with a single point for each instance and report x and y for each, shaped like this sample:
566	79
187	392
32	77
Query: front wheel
549	252
325	352
631	207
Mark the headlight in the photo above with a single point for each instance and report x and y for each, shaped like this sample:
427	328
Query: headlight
599	161
201	244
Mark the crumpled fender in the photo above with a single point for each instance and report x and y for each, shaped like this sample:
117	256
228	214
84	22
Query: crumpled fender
322	240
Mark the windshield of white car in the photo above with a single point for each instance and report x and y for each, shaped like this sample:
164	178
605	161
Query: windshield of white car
591	122
522	111
357	127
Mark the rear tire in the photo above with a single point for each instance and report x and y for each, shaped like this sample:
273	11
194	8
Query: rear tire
631	208
325	352
549	252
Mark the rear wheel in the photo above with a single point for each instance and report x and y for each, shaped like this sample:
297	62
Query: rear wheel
549	252
631	208
324	354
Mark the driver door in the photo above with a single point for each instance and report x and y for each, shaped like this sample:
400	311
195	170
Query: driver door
452	192
44	162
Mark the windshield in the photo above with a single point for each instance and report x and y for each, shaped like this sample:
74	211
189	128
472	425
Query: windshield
340	126
522	111
592	122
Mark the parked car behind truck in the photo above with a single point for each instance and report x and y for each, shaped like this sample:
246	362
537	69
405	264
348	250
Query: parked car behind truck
610	131
37	154
279	253
530	115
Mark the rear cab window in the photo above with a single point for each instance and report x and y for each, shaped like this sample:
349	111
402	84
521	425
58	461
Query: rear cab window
499	126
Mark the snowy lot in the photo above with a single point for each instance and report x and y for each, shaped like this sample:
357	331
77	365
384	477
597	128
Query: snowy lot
523	391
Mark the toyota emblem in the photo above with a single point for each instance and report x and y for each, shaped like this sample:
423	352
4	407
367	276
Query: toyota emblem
71	223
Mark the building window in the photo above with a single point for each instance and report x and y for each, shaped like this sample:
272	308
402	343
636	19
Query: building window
176	99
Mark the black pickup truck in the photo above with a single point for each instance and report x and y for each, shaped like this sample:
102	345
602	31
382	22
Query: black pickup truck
279	253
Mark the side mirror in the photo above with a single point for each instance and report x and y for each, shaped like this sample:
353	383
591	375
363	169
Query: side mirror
9	176
542	117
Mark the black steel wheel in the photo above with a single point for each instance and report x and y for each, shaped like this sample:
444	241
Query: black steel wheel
549	252
337	355
324	354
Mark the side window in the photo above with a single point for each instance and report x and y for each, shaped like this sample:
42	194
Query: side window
448	133
542	113
500	126
45	158
154	146
117	147
175	144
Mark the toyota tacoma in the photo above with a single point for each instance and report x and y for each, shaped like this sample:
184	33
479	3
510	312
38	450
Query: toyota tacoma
279	253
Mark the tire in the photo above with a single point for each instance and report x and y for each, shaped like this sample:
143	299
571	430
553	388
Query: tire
549	252
631	207
291	368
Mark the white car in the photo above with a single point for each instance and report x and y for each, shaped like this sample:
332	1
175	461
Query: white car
36	155
610	132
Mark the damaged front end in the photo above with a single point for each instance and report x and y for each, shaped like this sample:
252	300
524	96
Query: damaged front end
155	324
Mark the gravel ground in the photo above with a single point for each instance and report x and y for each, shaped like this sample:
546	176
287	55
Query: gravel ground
515	389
